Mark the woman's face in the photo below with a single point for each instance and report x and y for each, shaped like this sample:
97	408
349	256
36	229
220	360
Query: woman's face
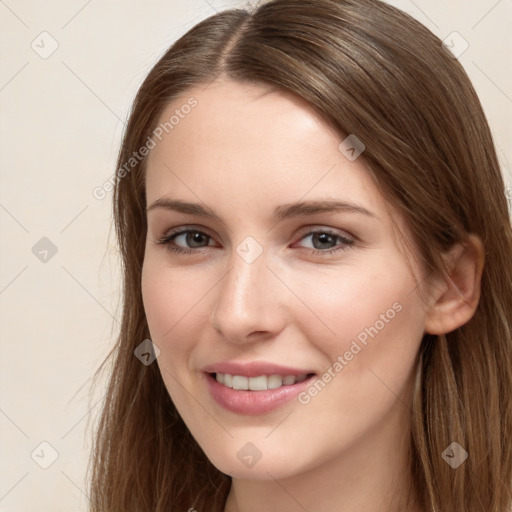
281	261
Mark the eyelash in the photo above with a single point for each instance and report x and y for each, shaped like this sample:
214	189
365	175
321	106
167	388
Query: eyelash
168	238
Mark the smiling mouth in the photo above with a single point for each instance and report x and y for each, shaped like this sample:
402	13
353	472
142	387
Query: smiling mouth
260	383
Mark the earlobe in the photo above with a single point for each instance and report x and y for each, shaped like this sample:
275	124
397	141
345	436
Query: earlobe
456	299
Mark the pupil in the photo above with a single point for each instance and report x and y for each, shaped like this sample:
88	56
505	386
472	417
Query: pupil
195	238
323	238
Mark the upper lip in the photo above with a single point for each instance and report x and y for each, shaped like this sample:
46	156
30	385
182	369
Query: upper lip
254	369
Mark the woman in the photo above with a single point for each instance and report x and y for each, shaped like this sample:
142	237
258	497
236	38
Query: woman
317	275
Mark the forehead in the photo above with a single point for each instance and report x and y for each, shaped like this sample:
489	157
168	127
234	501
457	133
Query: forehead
247	134
255	119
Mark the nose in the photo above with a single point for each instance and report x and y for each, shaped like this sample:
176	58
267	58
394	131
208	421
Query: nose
247	306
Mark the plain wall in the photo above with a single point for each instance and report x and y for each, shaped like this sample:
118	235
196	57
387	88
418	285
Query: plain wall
62	117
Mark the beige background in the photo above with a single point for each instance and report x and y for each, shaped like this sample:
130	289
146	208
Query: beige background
62	118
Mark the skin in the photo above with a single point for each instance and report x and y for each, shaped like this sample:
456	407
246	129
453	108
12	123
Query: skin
243	151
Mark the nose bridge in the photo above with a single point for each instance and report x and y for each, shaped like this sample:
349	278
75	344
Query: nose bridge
247	300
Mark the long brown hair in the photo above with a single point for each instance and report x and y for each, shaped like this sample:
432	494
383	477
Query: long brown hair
373	71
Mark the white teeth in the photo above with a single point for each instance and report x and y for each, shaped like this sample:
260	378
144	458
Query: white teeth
274	381
240	382
260	383
289	379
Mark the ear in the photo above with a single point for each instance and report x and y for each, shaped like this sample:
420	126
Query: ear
455	298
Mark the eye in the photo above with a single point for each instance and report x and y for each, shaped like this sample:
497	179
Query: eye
187	241
327	242
192	238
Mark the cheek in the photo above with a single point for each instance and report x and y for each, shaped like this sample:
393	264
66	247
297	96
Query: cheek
172	304
359	302
379	322
171	297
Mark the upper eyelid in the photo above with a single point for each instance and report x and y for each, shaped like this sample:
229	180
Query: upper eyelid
180	231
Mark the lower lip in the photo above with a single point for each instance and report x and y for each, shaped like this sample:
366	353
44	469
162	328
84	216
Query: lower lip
252	403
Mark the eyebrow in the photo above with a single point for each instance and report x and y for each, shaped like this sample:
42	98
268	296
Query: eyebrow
282	212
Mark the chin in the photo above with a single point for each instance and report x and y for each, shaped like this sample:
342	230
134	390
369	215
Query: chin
269	467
